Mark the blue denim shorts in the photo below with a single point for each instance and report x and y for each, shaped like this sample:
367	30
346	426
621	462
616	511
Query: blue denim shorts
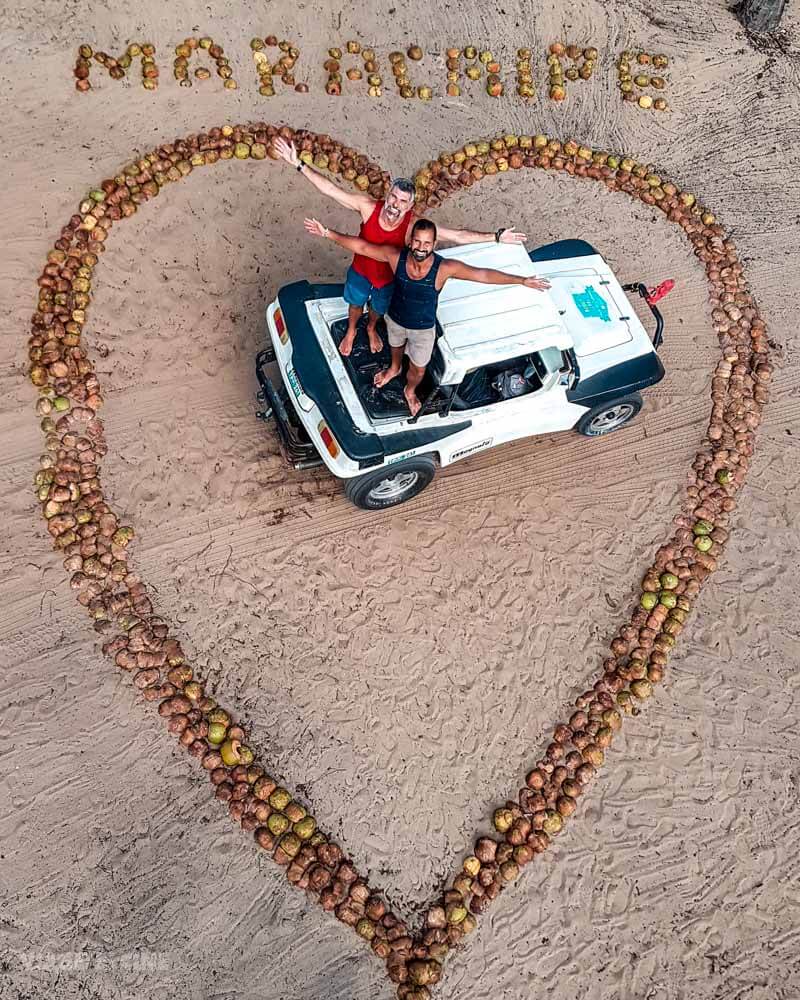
358	291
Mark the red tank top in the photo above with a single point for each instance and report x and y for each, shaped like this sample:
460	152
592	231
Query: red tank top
378	273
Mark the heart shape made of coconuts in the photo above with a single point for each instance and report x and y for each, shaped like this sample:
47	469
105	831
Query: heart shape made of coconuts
95	547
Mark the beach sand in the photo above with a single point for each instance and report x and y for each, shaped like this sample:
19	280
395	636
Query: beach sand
399	670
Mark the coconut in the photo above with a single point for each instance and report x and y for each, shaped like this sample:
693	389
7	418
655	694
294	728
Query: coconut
423	973
485	850
462	884
641	689
456	913
565	806
471	865
553	823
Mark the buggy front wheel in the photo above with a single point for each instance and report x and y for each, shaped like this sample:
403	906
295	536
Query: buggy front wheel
608	417
390	485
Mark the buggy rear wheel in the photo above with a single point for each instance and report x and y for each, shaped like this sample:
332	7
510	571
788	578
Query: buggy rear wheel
390	485
608	417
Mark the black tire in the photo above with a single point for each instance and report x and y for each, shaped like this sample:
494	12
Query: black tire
391	484
607	417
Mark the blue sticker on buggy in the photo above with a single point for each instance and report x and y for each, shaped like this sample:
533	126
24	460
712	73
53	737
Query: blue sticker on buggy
591	304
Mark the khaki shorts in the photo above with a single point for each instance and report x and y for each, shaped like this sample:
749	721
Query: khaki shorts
418	343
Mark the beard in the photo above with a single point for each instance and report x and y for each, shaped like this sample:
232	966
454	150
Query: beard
420	255
391	213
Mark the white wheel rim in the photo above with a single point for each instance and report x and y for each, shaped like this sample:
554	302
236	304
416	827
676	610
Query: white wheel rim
394	486
611	418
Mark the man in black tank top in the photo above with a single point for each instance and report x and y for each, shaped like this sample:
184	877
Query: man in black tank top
419	276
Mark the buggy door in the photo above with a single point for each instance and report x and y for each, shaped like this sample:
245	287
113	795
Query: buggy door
542	410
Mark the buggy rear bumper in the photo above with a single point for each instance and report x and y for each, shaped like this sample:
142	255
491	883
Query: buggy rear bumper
296	446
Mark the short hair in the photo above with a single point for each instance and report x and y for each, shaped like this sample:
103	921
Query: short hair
404	185
424	225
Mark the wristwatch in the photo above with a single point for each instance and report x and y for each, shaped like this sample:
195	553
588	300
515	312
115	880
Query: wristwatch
499	233
299	167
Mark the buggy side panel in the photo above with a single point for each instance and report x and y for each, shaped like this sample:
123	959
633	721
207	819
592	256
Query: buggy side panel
407	440
619	380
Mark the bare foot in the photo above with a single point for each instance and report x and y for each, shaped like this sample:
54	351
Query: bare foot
385	376
346	345
375	342
413	403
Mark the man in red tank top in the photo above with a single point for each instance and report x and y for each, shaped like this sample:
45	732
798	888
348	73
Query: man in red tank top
388	222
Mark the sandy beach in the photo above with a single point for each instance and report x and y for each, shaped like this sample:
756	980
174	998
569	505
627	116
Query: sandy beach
399	671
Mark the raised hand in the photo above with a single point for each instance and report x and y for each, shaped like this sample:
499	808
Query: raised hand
512	236
315	228
539	283
286	151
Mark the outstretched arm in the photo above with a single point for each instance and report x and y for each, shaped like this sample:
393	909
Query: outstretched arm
489	276
354	244
463	236
361	203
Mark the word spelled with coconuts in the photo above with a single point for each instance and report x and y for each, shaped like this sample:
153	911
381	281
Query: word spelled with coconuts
97	549
566	64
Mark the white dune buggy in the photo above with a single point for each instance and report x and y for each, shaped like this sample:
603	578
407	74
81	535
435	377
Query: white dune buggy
509	362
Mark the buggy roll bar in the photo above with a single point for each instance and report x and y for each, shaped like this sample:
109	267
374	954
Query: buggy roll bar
644	292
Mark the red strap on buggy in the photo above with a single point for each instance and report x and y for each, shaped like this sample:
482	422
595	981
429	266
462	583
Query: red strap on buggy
659	291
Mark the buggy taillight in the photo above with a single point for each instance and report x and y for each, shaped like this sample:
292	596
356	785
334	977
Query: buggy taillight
280	326
328	439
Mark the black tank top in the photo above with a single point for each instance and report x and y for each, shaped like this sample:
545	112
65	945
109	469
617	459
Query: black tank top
414	300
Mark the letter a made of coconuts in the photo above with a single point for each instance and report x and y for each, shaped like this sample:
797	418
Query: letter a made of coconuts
95	547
